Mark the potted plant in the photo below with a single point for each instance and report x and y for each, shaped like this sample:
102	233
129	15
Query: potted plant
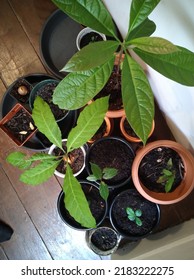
87	36
162	172
40	166
132	215
98	206
91	67
128	132
18	124
103	240
112	152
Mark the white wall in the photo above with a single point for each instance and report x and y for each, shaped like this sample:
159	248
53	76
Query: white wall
175	21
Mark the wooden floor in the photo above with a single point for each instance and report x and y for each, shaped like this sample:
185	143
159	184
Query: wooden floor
39	233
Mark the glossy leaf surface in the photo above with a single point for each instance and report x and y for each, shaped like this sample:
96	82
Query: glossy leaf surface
89	13
76	202
90	119
137	98
45	121
77	89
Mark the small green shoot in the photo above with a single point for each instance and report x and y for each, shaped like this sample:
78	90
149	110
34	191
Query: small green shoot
99	174
167	176
134	215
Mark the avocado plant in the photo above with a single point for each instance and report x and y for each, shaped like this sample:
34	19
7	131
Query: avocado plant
90	68
39	167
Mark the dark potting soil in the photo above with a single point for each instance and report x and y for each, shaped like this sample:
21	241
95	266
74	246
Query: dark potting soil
90	38
21	90
75	159
134	200
113	154
104	239
154	162
96	204
100	132
113	88
46	92
21	125
129	129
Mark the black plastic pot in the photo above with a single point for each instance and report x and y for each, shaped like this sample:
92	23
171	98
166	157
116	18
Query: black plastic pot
103	240
112	152
123	225
97	205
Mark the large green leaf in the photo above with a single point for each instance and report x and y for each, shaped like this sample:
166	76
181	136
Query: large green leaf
40	173
89	13
137	98
140	10
177	66
77	89
19	160
91	56
146	28
90	119
45	121
76	202
154	45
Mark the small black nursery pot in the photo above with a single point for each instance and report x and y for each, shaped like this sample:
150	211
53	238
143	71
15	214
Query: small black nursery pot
133	216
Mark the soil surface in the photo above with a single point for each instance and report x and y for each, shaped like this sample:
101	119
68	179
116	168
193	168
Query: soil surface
21	90
46	92
75	159
114	154
113	88
96	203
21	125
154	162
90	38
133	199
104	239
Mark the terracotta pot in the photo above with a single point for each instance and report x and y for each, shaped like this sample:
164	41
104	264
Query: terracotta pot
103	240
186	185
28	128
123	225
109	129
130	137
84	32
98	206
61	175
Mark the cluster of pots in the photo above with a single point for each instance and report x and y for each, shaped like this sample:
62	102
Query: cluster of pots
111	146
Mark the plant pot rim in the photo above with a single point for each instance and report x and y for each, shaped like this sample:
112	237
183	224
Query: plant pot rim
61	175
132	237
80	228
108	138
38	86
16	108
132	138
185	187
85	31
95	249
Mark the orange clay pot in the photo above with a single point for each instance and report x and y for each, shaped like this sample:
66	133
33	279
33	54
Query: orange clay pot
186	185
109	129
130	137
